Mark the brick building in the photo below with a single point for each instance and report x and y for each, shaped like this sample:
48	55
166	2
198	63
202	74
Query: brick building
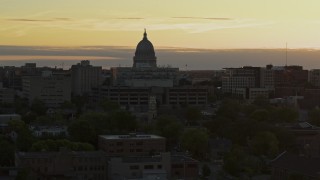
63	165
163	166
131	145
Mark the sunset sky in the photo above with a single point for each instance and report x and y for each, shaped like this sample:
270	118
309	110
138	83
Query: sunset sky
209	24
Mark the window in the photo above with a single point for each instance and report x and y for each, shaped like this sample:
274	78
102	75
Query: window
148	166
192	165
135	167
140	143
177	165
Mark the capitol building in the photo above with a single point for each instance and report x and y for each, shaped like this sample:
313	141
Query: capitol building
145	72
145	87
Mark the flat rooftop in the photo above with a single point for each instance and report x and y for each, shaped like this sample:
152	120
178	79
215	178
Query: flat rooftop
131	136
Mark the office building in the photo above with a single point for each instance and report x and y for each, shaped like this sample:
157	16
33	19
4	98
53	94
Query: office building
52	89
84	77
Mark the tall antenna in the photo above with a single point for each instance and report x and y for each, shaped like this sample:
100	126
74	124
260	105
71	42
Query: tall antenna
286	54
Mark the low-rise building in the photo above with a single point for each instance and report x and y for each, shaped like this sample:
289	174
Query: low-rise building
132	144
49	131
291	166
64	164
307	138
163	167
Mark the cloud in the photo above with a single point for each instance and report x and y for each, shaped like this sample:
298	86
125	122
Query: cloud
206	18
39	20
187	24
130	18
66	58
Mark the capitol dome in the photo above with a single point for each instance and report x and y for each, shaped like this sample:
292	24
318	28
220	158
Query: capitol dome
144	55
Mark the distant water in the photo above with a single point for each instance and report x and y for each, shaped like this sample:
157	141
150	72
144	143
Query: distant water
197	59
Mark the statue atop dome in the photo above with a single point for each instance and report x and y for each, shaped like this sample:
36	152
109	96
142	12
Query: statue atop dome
145	55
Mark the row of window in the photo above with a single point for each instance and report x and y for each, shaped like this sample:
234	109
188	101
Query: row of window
149	166
90	168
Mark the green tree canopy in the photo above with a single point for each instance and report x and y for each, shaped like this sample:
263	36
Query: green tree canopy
6	152
38	107
108	106
101	122
193	114
229	109
67	105
260	115
195	141
238	161
25	137
170	128
206	172
314	116
124	121
82	131
265	143
285	114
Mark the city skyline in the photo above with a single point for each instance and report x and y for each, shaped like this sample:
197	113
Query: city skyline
189	24
183	58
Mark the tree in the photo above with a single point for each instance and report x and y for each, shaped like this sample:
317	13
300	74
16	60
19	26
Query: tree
314	116
265	143
229	109
261	101
107	105
297	176
124	121
101	122
260	115
21	105
82	131
38	106
6	152
238	161
285	114
206	172
80	101
196	142
29	117
193	114
67	105
170	128
287	140
233	160
25	137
